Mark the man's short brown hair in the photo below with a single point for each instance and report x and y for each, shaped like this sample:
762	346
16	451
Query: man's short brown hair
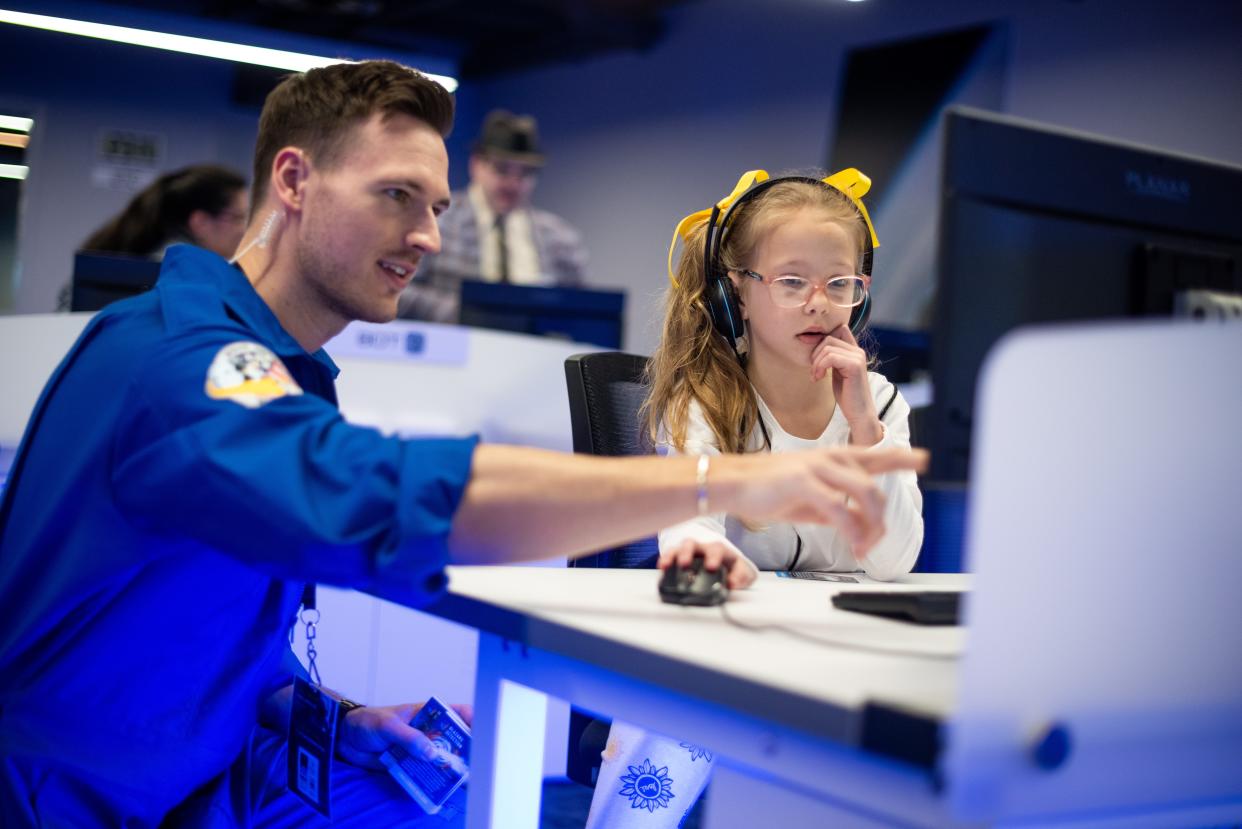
314	110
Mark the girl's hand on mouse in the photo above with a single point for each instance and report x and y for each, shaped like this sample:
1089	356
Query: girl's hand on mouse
840	354
741	571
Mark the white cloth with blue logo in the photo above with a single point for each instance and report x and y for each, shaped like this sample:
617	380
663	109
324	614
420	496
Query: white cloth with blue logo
647	780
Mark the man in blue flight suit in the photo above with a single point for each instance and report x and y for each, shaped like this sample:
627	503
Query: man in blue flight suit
186	471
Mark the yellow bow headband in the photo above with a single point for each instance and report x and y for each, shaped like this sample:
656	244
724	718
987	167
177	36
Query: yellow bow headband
849	181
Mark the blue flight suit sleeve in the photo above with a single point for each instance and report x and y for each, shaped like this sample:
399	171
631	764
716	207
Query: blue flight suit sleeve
288	486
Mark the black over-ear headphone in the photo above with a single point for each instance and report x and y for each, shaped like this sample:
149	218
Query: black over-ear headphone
720	296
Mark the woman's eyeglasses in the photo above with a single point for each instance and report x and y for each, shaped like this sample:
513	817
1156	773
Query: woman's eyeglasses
794	291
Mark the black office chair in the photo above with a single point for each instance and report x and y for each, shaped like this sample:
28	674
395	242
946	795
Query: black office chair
605	391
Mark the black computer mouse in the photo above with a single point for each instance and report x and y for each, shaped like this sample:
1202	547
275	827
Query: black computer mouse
694	585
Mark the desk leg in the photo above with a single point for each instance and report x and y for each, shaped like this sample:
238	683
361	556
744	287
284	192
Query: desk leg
506	758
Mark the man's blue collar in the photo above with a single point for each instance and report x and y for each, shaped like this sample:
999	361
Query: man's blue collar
190	265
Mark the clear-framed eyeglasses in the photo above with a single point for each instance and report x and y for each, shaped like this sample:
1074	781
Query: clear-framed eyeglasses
795	291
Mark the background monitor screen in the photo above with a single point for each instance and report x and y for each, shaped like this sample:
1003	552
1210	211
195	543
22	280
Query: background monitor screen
578	314
103	278
1046	225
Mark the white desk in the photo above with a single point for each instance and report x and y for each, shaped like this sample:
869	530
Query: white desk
780	712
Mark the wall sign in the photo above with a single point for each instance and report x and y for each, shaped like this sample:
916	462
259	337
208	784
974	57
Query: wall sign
127	160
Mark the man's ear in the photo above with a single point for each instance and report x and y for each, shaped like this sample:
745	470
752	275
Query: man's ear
290	169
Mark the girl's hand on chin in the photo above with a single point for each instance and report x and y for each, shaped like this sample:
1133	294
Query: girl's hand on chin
841	355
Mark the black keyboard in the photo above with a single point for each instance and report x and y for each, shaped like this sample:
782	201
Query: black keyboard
923	607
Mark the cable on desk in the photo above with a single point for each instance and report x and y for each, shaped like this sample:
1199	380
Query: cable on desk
828	642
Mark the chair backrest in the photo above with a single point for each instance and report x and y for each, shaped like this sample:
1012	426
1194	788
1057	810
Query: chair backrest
606	389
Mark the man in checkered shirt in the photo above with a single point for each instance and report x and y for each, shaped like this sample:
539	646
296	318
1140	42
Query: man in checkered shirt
491	232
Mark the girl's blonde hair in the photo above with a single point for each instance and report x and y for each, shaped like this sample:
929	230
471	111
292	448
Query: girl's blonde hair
693	361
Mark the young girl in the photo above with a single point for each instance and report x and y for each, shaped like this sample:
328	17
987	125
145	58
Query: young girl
760	353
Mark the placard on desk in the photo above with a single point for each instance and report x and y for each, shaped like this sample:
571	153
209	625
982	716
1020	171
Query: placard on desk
403	340
1103	665
423	378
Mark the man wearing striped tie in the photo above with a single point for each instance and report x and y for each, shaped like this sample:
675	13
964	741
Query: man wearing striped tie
492	232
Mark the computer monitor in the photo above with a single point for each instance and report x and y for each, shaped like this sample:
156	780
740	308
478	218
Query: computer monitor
103	278
578	314
1097	681
1040	224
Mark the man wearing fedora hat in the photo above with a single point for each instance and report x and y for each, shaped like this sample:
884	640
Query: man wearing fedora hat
492	232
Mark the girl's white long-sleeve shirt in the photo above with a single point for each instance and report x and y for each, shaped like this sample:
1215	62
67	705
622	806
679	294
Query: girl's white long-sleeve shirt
772	546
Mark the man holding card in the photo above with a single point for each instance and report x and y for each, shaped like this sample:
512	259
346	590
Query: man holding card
186	472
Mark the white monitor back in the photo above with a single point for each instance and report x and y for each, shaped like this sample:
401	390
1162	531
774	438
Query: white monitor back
1105	531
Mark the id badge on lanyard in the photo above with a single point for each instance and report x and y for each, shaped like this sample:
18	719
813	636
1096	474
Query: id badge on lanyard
312	725
312	743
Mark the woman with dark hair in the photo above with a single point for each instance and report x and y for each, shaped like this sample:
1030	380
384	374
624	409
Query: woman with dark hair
203	204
